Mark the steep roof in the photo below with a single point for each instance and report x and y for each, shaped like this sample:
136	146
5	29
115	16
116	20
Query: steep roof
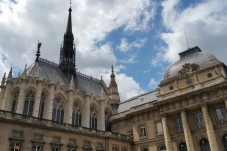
83	82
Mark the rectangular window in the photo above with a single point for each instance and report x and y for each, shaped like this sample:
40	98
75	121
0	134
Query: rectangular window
56	149
15	147
142	131
130	133
178	124
159	129
36	147
221	115
198	117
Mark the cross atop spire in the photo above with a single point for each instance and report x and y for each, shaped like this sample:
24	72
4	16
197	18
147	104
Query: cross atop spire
69	24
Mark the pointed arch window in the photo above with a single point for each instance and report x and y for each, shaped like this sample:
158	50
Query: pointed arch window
58	110
42	105
76	115
93	118
29	103
14	103
107	123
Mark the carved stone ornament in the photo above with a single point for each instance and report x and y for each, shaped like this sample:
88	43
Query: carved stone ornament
188	69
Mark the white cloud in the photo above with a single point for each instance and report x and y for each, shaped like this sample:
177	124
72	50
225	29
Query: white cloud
205	24
128	87
25	22
153	84
126	46
129	60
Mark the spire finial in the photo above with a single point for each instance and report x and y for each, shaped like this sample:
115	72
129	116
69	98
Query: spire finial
38	51
10	75
3	79
112	72
71	85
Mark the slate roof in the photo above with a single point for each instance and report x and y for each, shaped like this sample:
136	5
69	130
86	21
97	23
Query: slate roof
137	101
83	82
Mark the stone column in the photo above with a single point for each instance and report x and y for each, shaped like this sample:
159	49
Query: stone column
101	118
50	102
86	112
210	129
187	132
70	106
20	103
168	142
37	99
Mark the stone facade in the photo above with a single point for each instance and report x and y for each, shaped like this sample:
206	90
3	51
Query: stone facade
189	104
54	107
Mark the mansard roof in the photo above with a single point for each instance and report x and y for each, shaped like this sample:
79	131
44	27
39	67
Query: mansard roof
83	82
137	101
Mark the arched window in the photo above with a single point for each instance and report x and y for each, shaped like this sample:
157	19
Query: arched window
42	105
182	146
224	140
162	148
204	145
93	118
107	117
29	103
76	117
58	110
14	103
145	149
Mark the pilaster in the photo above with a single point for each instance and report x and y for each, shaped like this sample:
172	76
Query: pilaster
70	106
168	141
6	96
86	115
187	132
101	123
37	99
20	103
210	129
50	102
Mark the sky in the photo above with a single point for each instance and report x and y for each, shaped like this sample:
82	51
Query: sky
141	38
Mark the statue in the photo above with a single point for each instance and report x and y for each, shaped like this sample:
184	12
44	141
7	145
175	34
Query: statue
38	51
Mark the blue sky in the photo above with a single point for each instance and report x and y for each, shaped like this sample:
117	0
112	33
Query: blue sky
141	38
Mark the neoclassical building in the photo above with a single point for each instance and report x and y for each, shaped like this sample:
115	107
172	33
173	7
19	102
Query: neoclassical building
53	107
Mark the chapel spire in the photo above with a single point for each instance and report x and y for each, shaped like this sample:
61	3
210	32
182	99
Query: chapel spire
67	52
113	91
69	23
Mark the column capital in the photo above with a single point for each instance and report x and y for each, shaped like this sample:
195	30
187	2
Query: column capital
164	115
204	104
183	110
